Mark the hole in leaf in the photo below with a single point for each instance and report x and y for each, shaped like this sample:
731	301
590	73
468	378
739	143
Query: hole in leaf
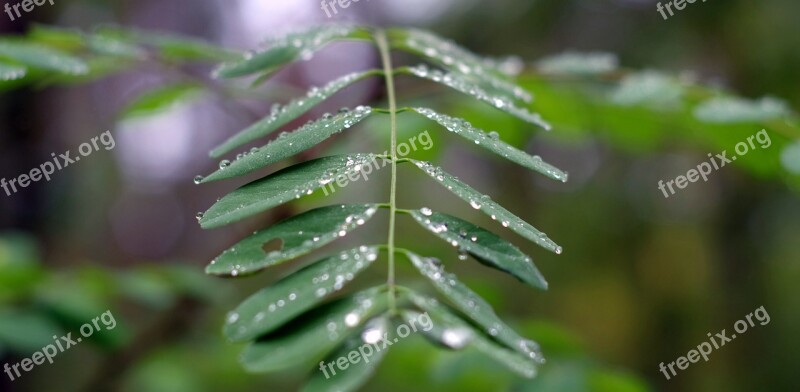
273	245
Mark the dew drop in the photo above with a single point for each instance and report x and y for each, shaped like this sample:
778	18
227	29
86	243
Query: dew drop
351	320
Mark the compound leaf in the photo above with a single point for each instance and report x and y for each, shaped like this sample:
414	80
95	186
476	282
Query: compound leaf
313	338
485	246
299	235
285	185
272	307
289	48
358	371
290	143
282	115
42	57
492	142
485	204
466	86
453	332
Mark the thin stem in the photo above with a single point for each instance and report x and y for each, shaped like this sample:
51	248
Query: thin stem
383	47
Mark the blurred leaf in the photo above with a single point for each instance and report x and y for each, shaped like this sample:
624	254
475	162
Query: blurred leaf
615	381
648	88
291	143
288	184
299	235
493	143
38	56
578	63
273	306
20	269
486	247
26	331
485	204
728	110
173	47
282	115
289	48
159	100
790	157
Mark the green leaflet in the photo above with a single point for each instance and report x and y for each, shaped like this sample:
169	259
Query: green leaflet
485	246
289	48
159	100
464	85
731	110
37	56
455	333
12	72
299	235
485	204
312	338
577	63
282	115
358	372
492	142
288	144
285	185
475	307
274	306
448	54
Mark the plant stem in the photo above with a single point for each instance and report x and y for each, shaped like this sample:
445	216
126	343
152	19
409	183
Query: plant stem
383	47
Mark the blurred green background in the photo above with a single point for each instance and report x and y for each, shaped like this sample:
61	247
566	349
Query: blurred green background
642	279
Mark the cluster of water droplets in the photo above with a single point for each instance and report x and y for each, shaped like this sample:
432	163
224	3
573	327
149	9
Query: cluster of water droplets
465	62
456	337
289	143
324	278
363	304
474	306
459	83
492	142
248	256
374	330
488	206
11	72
